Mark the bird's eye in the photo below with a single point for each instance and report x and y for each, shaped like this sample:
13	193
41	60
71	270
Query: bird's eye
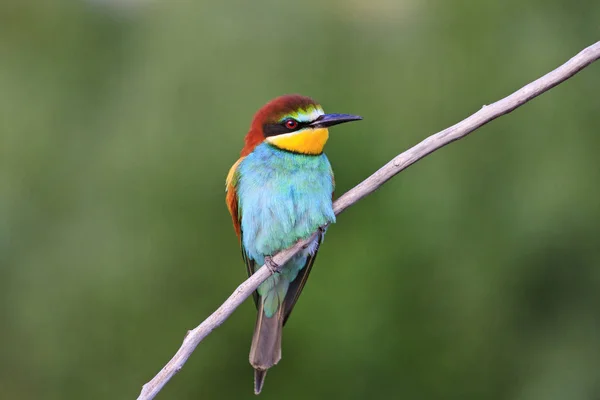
291	123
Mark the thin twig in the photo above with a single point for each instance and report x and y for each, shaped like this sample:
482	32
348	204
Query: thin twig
368	186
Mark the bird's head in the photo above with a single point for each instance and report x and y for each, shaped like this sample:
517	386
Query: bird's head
294	123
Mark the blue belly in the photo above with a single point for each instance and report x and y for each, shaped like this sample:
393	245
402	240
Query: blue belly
283	197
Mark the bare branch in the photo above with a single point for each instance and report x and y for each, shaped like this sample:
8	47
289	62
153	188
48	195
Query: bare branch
368	186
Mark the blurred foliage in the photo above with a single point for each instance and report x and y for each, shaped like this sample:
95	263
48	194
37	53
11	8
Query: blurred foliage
475	274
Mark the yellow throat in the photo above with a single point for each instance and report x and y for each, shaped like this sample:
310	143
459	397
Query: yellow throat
305	141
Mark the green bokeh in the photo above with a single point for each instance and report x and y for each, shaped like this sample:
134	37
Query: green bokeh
475	274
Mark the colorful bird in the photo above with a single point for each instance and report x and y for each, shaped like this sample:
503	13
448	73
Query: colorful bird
281	191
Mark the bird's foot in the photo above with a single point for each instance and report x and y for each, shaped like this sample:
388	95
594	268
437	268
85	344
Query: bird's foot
272	265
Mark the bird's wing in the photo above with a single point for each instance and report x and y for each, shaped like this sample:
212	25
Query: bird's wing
231	199
295	288
250	268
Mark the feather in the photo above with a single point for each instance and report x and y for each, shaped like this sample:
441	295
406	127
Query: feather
265	350
295	288
250	268
231	197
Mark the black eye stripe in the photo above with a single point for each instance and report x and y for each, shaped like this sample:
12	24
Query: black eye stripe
274	130
280	128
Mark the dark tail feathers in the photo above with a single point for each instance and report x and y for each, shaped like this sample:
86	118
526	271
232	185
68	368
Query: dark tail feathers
266	345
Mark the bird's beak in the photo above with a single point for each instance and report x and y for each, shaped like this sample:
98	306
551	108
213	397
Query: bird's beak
326	120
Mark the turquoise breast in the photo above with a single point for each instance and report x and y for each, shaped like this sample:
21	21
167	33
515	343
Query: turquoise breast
283	197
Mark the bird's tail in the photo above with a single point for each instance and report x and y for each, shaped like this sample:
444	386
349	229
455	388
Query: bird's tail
266	345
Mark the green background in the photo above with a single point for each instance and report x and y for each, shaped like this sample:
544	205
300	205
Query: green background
475	274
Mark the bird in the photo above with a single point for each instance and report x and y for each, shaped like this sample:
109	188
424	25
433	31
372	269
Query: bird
278	192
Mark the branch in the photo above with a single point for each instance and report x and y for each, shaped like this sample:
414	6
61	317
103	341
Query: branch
366	187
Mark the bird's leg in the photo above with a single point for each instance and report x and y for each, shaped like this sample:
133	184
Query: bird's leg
272	265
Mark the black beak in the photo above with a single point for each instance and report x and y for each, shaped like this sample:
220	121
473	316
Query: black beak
333	119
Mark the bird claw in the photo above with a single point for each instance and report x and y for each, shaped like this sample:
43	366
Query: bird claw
271	265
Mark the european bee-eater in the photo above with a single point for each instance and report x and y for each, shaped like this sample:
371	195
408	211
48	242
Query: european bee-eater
281	191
